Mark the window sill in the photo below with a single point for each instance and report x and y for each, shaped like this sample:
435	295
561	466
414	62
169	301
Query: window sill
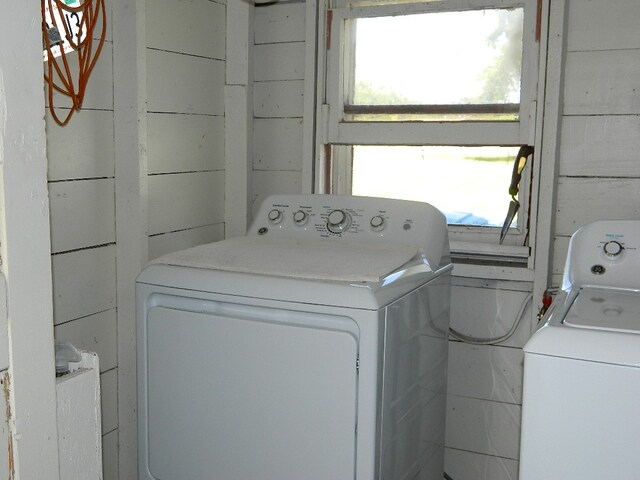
490	272
490	261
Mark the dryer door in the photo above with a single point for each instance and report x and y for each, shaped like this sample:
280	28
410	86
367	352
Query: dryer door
241	392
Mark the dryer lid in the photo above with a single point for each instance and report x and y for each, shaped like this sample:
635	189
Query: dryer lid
605	309
324	259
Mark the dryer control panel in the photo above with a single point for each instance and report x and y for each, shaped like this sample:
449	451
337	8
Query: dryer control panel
604	253
355	218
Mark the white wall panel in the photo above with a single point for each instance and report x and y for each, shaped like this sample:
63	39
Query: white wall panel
584	200
170	242
603	24
109	400
489	312
110	456
196	27
185	143
99	92
187	200
602	82
96	333
560	249
481	426
185	84
278	99
84	282
269	182
277	144
279	61
604	145
82	149
280	23
461	465
82	214
485	372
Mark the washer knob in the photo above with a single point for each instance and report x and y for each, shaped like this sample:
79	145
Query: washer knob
377	222
612	248
300	217
275	216
338	221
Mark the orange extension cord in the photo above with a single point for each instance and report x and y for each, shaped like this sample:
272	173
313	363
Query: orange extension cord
87	57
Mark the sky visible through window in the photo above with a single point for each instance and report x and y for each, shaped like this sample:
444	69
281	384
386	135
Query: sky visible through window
442	58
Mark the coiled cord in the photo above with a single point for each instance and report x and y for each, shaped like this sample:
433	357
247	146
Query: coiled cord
60	78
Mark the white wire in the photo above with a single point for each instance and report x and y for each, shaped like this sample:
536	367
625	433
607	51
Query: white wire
493	341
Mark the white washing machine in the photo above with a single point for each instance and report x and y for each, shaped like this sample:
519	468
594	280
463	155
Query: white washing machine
581	398
314	348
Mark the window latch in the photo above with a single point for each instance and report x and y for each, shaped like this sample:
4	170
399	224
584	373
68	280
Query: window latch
514	205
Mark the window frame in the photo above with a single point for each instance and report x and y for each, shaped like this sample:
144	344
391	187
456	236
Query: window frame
338	133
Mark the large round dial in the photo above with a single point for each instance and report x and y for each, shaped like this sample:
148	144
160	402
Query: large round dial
612	248
338	221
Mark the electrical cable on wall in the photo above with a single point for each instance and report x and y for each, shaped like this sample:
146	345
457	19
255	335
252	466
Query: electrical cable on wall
70	26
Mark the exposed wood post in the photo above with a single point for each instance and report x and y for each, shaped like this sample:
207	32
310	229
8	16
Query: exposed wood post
26	246
130	131
238	118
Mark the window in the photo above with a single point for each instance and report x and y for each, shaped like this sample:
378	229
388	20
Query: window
431	100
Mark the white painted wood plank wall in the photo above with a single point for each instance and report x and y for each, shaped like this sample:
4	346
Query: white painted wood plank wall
82	202
484	395
279	62
185	63
185	87
600	137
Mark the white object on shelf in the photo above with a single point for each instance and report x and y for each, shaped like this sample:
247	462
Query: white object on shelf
79	430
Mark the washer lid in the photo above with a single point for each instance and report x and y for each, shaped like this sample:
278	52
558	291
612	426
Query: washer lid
605	309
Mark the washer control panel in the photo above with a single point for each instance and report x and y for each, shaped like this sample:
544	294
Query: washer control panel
605	253
351	217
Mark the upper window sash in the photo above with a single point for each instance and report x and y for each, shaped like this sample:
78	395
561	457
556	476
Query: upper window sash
339	69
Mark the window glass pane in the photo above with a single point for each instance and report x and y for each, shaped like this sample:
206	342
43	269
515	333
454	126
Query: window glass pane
444	58
468	184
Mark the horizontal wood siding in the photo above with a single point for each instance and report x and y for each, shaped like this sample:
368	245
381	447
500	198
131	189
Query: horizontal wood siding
82	214
83	282
179	83
600	134
185	143
185	88
600	146
602	82
193	27
83	149
82	218
484	391
278	100
185	200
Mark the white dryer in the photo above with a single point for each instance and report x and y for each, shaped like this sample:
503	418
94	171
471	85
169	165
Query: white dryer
581	398
314	348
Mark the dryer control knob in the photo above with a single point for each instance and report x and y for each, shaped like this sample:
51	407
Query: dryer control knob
377	222
275	216
612	248
300	217
338	221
